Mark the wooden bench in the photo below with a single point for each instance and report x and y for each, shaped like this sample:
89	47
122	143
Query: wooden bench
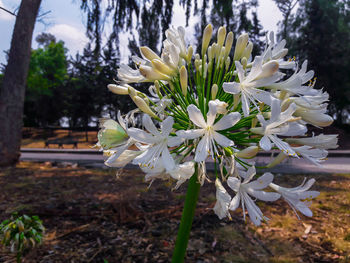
61	142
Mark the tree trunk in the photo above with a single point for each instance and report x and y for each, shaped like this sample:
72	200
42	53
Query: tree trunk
14	83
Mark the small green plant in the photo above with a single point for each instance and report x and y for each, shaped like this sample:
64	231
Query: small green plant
21	233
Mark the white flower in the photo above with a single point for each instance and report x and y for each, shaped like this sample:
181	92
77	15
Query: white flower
177	38
299	198
208	130
157	142
322	141
315	156
294	84
180	172
278	124
249	188
223	200
259	76
120	158
277	52
129	75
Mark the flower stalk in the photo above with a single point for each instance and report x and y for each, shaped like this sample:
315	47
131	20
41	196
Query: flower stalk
186	219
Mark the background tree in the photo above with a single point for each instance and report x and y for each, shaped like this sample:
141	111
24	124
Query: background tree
320	33
14	83
46	77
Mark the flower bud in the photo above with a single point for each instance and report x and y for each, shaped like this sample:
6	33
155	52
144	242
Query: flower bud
132	92
210	53
208	31
221	35
248	50
280	157
147	53
227	63
244	62
314	117
197	63
197	56
241	44
248	152
111	134
157	86
151	74
119	89
214	91
205	70
189	54
183	80
268	69
228	43
142	105
162	67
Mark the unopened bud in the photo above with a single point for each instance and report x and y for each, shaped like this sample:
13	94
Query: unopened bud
197	63
268	69
208	31
241	44
162	67
214	91
210	53
244	62
248	152
142	105
189	54
183	80
148	53
119	89
280	157
157	86
132	92
197	56
236	100
227	63
228	43
248	50
205	70
221	35
151	74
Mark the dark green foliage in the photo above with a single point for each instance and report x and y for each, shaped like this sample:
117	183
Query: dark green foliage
21	233
320	33
46	77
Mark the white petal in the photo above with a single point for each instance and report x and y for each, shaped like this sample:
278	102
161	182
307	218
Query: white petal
262	182
167	159
167	125
174	141
227	121
265	143
234	183
231	87
190	134
254	211
265	196
141	136
202	150
303	208
275	110
149	125
196	116
235	202
222	140
245	105
211	113
261	95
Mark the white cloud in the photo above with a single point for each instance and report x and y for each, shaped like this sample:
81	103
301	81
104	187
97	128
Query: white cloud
4	15
73	37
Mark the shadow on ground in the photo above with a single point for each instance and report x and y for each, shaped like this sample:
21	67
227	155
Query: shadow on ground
90	215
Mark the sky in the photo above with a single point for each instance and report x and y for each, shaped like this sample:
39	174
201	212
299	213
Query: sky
66	22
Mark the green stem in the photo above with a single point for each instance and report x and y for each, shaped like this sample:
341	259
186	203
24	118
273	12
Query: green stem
186	219
19	257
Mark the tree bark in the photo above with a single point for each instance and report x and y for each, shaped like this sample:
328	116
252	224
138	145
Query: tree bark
14	83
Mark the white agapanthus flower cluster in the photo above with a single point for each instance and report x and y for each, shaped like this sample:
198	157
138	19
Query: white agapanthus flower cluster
214	107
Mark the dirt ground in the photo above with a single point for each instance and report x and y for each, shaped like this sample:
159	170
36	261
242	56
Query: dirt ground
92	216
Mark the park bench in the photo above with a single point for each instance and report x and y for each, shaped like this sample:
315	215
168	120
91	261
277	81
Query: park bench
61	142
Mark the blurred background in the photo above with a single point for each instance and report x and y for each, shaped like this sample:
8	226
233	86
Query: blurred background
77	46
